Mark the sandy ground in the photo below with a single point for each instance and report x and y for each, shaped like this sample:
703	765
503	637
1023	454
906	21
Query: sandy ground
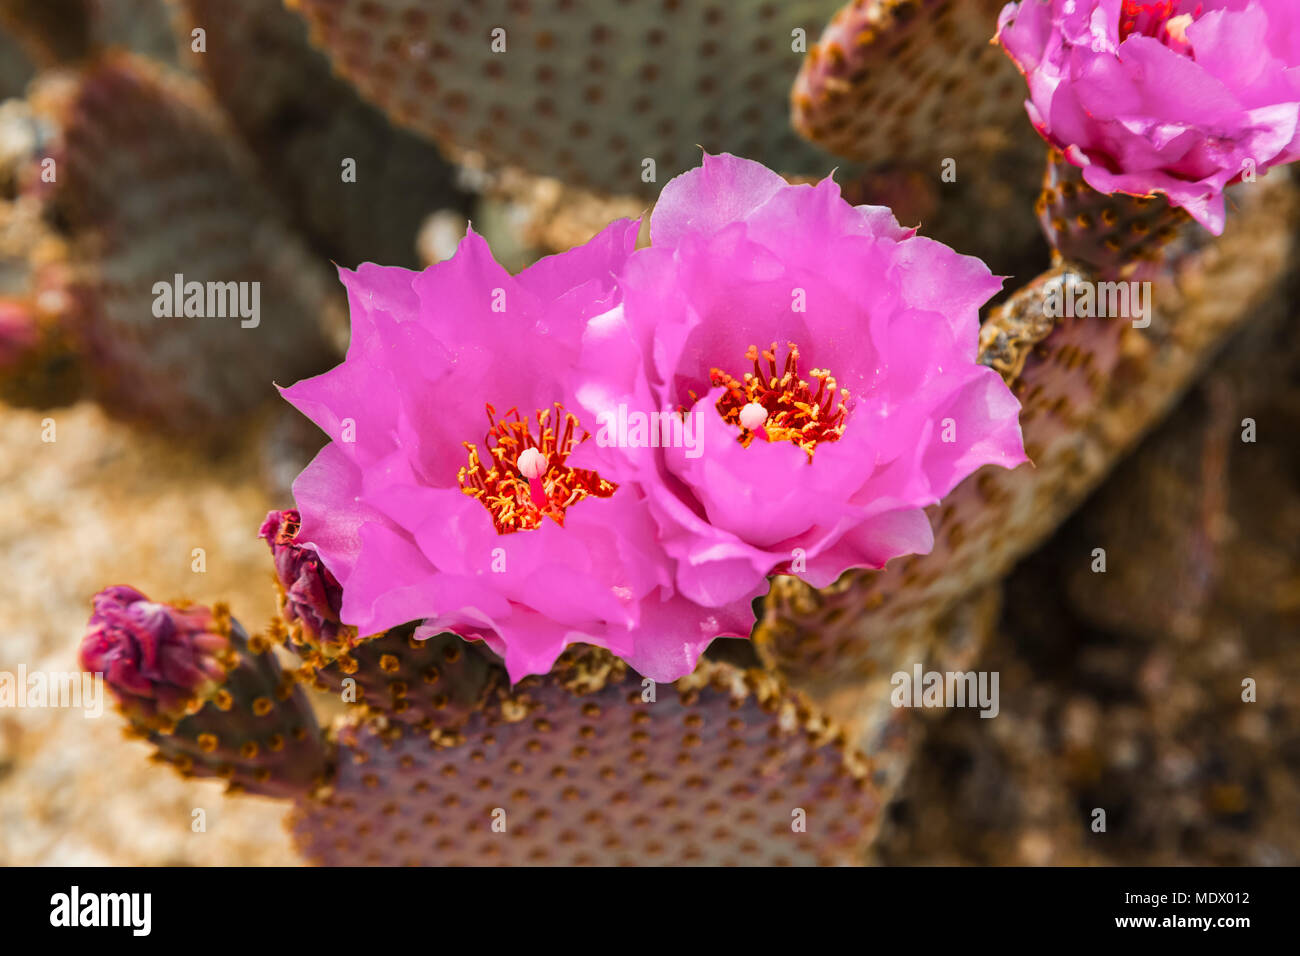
104	504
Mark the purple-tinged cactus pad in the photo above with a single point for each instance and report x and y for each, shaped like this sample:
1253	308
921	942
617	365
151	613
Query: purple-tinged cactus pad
899	81
1089	388
213	701
261	68
586	90
152	185
1117	235
725	767
434	683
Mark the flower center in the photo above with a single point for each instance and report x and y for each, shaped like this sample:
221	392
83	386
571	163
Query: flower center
776	404
1156	19
528	479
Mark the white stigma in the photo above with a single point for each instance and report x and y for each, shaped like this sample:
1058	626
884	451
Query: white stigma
1177	26
532	463
753	416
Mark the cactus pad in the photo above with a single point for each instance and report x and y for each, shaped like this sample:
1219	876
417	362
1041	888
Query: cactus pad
150	184
303	123
429	684
1090	387
586	89
255	731
909	81
1117	235
724	767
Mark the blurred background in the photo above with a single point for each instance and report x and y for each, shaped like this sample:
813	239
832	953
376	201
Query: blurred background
244	140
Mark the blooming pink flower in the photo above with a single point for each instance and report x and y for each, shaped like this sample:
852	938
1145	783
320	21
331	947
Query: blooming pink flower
421	517
1179	97
825	356
154	657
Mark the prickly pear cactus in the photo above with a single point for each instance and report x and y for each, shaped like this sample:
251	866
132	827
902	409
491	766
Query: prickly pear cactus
1089	387
443	762
725	768
153	199
909	81
1119	236
914	94
359	187
617	97
122	180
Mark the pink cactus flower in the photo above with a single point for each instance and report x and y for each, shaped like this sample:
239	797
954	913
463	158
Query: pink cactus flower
447	493
1180	97
154	657
821	363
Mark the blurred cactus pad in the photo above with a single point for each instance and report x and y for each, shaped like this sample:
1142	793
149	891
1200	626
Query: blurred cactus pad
1123	583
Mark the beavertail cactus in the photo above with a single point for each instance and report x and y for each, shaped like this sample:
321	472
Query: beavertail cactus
908	82
616	556
175	322
614	97
359	187
588	765
1119	236
726	767
913	91
213	701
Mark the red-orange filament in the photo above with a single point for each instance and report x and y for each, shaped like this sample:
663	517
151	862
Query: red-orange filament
804	412
519	495
1155	19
